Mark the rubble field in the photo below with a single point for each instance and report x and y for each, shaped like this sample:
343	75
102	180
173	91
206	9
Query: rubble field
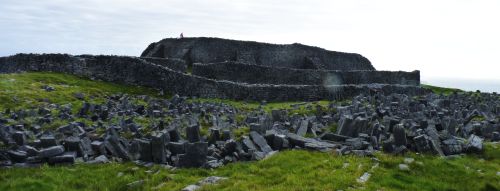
61	132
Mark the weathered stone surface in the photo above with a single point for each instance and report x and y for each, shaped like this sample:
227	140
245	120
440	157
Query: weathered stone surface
17	156
51	151
98	147
309	143
260	142
158	148
145	150
141	72
19	137
195	156
174	135
209	50
422	143
302	129
257	128
47	141
215	135
117	147
177	147
278	115
364	178
256	74
474	144
74	144
99	160
211	180
334	137
65	158
278	141
451	147
191	187
495	136
193	133
351	127
230	146
248	144
399	135
404	167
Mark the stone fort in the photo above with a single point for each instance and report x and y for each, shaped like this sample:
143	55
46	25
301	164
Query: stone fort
231	69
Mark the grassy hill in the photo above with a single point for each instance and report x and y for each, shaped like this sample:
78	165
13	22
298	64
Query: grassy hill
288	170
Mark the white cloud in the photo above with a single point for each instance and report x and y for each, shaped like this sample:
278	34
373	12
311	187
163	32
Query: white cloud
443	39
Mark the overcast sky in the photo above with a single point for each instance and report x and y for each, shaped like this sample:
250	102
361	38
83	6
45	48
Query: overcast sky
444	39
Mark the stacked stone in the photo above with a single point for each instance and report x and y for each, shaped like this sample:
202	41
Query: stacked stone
267	72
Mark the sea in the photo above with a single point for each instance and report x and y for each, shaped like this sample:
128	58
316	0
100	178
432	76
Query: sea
483	85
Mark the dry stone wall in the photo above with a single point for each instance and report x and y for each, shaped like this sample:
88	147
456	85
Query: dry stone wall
255	74
137	71
172	63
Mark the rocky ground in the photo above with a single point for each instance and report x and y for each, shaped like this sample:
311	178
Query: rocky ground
179	132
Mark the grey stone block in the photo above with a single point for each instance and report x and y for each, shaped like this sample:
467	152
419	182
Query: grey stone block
51	151
195	156
260	142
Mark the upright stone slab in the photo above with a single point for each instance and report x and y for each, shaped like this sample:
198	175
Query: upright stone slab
214	135
174	135
346	127
193	133
145	152
302	130
19	137
86	145
226	135
399	135
158	148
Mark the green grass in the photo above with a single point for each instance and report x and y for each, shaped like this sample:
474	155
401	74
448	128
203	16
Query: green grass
24	90
472	172
240	131
288	170
300	108
441	90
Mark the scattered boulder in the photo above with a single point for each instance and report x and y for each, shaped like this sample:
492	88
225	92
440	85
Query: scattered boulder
404	167
364	178
51	151
474	144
